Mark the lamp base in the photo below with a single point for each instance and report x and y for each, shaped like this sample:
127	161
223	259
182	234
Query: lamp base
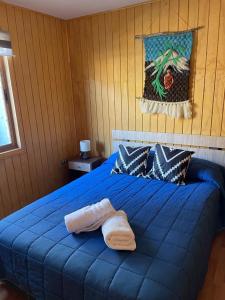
84	155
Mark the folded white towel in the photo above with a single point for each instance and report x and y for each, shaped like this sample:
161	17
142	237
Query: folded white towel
117	232
90	217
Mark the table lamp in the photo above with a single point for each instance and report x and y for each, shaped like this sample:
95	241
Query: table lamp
85	148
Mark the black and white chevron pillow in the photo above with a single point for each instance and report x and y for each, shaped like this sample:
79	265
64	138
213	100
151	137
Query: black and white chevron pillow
170	164
131	161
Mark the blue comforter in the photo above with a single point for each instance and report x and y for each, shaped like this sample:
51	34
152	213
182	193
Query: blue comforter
174	228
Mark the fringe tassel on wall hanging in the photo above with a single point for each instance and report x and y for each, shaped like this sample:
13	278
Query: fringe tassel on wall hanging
173	109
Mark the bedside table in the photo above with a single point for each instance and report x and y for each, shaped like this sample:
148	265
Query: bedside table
86	165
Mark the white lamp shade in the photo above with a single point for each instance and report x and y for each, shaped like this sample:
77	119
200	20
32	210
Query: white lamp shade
85	146
5	44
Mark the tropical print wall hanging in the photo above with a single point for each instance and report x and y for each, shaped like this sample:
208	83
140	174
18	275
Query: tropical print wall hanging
167	69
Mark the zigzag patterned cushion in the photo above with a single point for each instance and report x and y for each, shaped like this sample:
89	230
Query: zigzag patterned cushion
131	161
170	164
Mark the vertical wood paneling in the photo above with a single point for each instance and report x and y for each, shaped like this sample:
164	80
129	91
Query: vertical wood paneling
211	60
182	25
201	51
40	85
80	78
117	67
71	116
10	177
192	23
125	62
42	89
173	26
109	72
35	91
164	22
155	15
7	204
23	102
49	79
67	93
147	29
131	69
218	107
91	83
104	87
138	54
21	191
98	82
124	68
86	87
77	81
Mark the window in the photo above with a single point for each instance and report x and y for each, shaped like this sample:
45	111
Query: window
8	136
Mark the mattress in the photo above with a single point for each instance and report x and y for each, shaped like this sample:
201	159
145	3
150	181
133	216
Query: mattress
174	228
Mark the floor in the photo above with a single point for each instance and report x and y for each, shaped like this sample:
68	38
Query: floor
9	292
213	289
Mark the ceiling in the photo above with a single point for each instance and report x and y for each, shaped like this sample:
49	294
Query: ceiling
67	9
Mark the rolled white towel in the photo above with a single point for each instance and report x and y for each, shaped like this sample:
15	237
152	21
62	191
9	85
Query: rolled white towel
90	217
117	232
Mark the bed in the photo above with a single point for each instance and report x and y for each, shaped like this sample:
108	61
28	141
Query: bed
174	228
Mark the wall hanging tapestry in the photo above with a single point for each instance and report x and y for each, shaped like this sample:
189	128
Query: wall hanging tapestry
167	61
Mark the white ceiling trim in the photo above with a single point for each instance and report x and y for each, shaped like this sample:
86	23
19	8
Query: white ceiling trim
68	9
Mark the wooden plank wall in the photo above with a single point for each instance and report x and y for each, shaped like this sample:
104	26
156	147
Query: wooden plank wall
42	89
64	94
107	68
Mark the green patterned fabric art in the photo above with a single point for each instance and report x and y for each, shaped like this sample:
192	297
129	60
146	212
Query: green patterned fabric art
167	61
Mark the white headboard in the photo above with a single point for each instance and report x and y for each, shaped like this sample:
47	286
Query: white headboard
206	147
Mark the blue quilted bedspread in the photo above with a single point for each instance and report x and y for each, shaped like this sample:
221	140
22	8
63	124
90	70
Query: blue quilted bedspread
174	228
